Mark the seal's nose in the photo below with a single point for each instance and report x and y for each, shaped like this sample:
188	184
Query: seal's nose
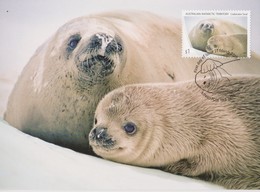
209	26
99	41
99	136
95	42
99	133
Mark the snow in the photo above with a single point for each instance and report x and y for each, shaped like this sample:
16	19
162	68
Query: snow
29	163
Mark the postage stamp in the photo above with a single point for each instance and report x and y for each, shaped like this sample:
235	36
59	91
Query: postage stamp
217	33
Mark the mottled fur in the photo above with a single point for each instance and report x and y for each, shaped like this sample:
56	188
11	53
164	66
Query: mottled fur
182	132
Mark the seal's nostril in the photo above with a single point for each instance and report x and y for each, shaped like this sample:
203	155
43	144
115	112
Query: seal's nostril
99	41
95	42
99	133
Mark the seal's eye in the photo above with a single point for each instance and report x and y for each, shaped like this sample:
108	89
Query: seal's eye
95	121
73	42
130	128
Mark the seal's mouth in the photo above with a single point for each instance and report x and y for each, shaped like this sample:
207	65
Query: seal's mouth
94	68
99	57
208	31
105	148
98	65
207	28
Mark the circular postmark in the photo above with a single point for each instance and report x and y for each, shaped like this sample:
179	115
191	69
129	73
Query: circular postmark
211	77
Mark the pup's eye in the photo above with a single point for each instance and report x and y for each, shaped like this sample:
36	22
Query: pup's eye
130	128
73	42
95	121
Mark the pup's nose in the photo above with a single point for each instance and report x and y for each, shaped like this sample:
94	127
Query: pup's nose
99	133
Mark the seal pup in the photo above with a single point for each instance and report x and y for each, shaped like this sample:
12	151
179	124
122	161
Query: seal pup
228	45
173	127
219	37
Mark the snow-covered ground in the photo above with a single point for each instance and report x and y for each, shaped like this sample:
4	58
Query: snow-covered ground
30	163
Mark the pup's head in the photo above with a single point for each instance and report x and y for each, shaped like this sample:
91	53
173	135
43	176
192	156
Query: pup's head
124	128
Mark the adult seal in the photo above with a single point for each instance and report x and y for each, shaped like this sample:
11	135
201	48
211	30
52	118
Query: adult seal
173	127
219	37
56	94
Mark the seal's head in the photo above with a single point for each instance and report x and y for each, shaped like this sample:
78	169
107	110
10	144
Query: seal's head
118	127
200	34
223	45
130	127
72	71
206	27
92	48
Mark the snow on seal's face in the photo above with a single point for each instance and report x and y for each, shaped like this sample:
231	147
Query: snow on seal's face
90	45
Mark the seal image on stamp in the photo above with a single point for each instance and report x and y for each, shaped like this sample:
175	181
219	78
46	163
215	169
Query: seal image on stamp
219	37
218	33
173	127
